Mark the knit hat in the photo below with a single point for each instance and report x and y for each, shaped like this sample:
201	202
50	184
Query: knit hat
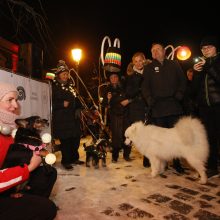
6	118
61	67
112	62
210	40
6	88
108	74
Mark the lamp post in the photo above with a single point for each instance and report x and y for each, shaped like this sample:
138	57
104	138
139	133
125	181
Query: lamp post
77	54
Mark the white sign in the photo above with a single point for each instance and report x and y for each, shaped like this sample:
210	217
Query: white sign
34	96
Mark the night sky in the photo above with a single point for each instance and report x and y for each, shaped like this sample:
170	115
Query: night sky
84	24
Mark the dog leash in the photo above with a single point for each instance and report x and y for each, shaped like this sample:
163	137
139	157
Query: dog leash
147	116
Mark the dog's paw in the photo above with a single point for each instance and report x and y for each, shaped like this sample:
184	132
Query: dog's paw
153	174
104	165
203	179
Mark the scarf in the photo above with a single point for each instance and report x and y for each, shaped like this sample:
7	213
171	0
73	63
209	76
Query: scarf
137	70
8	118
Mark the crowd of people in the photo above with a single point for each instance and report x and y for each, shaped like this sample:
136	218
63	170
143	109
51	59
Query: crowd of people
158	91
153	90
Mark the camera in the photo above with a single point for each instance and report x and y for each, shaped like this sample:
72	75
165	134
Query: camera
197	59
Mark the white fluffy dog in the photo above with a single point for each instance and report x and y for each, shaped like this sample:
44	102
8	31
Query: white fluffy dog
187	139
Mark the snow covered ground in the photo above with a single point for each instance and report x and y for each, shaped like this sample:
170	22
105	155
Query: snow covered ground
125	190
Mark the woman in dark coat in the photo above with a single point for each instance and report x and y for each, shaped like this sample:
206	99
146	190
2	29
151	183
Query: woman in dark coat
66	109
116	102
137	108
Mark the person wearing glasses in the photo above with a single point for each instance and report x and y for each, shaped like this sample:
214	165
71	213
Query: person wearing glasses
207	94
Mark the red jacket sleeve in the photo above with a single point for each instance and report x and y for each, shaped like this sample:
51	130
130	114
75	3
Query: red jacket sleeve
5	142
13	176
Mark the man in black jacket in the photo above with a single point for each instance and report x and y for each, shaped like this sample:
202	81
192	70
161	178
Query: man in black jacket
207	92
163	89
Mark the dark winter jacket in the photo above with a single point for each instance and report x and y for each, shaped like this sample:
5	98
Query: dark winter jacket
163	87
65	120
137	106
118	95
207	83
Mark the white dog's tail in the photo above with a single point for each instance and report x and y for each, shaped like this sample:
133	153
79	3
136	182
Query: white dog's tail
186	126
191	130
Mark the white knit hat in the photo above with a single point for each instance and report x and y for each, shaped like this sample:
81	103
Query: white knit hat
61	67
6	88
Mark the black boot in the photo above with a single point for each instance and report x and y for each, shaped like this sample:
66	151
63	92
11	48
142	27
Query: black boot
127	158
146	162
127	151
177	166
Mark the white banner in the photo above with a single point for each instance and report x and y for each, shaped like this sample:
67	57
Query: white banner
34	96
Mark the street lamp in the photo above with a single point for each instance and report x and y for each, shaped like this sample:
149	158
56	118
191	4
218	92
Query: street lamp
182	52
77	54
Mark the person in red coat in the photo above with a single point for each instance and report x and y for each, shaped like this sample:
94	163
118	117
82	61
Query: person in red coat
27	206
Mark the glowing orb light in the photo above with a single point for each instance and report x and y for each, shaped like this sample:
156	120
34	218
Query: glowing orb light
5	129
183	53
46	138
50	158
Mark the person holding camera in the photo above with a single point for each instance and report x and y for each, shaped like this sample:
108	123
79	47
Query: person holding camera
207	95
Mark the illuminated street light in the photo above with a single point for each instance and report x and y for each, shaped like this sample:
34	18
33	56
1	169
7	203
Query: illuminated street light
183	52
77	54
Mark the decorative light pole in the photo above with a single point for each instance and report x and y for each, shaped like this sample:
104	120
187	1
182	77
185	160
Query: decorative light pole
77	54
111	61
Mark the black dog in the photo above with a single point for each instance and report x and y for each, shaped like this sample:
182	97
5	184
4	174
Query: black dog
27	139
96	152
